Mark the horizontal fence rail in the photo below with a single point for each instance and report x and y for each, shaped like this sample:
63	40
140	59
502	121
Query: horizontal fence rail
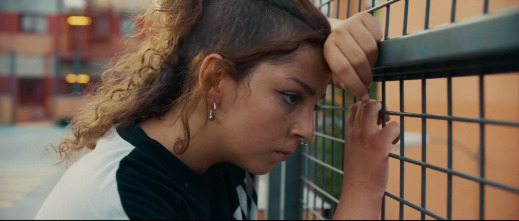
462	48
469	53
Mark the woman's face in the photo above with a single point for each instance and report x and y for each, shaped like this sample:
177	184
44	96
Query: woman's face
268	113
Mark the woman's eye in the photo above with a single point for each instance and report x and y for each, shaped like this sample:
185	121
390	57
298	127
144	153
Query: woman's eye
290	98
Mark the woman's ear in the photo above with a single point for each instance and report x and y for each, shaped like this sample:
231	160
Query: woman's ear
211	77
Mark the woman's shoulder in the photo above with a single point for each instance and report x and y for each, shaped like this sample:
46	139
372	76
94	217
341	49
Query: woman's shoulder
88	190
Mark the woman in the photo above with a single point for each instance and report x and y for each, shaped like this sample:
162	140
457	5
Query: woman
218	91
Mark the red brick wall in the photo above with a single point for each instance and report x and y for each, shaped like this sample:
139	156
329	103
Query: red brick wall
10	22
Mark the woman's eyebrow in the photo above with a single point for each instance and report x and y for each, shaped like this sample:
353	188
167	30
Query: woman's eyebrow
305	86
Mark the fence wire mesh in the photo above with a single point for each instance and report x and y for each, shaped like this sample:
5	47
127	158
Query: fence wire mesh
447	72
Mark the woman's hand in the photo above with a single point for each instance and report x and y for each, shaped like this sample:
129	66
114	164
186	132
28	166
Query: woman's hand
351	51
366	155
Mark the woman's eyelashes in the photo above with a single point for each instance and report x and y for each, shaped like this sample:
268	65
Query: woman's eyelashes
290	98
294	98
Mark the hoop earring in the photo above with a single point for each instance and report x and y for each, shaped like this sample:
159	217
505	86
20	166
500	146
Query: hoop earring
212	112
303	142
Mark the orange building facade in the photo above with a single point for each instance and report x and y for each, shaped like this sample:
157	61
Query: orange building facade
39	47
501	96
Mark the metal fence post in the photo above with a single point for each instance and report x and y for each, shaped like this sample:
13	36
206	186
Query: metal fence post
55	78
274	194
474	47
293	186
12	70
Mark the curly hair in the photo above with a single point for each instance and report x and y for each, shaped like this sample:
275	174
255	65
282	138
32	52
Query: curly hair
160	71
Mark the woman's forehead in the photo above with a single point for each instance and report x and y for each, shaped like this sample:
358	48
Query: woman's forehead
308	62
305	65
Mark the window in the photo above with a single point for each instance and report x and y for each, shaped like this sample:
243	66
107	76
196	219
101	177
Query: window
34	23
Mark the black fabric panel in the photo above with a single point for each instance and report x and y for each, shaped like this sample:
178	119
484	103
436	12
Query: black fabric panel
154	184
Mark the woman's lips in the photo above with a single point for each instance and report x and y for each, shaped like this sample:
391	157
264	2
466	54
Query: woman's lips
283	155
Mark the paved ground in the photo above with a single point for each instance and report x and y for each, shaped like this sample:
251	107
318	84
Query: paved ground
27	174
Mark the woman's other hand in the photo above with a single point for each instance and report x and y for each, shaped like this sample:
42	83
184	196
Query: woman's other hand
351	51
366	157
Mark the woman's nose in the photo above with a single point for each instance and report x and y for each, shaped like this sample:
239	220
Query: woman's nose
305	127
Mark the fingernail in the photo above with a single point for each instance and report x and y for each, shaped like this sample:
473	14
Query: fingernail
365	98
341	85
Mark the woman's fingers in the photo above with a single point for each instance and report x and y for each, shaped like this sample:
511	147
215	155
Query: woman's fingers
343	74
362	120
368	43
379	121
357	57
372	25
369	116
351	50
390	133
350	117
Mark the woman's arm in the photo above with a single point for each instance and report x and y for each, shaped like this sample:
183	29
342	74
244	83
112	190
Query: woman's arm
365	162
351	51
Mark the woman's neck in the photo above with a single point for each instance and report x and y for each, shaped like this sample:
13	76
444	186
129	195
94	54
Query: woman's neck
202	152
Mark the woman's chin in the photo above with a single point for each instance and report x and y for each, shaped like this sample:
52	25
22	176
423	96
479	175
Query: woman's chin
261	170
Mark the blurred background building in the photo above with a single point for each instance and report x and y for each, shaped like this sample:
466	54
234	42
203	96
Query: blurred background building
53	50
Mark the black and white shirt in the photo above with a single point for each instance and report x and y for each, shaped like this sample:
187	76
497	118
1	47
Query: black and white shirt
131	176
